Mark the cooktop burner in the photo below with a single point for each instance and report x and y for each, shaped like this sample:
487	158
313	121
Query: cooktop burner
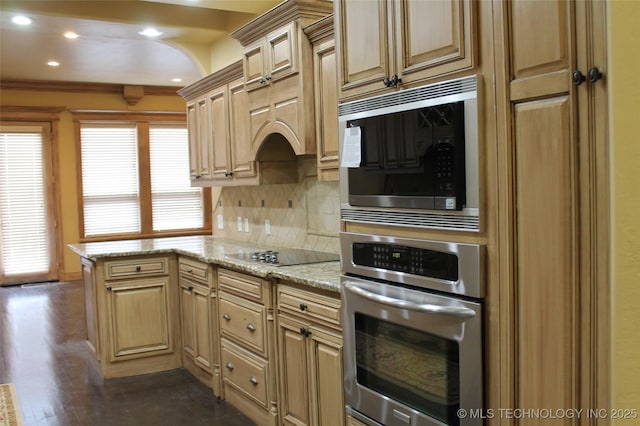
285	257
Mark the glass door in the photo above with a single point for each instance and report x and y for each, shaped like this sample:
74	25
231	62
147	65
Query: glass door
27	220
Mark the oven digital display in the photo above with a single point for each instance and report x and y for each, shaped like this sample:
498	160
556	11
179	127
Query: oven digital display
417	261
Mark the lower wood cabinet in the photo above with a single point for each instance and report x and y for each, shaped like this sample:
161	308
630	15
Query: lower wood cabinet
199	307
309	357
132	320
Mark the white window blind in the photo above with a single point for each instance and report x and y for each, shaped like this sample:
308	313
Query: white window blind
110	186
23	210
175	204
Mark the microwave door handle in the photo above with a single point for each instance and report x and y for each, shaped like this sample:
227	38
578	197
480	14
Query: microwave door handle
453	311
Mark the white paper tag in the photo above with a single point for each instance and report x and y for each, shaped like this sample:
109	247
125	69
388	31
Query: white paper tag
351	152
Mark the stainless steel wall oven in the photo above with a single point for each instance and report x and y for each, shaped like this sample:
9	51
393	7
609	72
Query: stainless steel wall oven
412	325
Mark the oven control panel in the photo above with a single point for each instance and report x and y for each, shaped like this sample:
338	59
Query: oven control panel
412	260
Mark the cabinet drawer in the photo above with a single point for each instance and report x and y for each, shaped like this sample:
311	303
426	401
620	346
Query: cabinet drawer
243	321
244	285
309	305
116	269
195	270
245	372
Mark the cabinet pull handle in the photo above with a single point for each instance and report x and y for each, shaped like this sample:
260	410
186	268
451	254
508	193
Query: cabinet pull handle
229	366
594	75
253	380
268	78
578	77
303	307
251	327
227	317
138	268
109	288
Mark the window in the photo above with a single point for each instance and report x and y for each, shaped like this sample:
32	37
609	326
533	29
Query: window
135	181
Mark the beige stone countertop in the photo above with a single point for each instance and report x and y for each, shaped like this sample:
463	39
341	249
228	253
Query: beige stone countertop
325	275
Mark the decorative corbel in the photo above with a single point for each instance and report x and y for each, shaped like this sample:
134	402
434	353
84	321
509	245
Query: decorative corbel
132	94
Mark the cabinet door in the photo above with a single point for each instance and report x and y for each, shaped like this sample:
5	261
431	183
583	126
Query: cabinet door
139	316
188	327
327	386
219	132
199	145
433	38
202	321
253	63
282	45
241	159
326	98
294	372
362	34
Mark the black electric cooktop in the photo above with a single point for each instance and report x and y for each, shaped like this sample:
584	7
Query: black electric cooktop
285	257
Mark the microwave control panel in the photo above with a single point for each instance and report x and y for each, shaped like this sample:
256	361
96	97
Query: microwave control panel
412	260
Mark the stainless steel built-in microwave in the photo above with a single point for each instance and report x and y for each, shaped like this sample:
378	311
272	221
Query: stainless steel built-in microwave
414	150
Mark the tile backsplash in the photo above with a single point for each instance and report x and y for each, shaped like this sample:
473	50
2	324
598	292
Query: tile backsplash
301	215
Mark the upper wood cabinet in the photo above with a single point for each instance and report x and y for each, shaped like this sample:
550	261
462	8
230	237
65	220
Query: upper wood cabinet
278	72
387	44
200	158
326	97
273	57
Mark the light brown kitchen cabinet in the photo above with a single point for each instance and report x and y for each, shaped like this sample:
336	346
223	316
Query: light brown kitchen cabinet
134	314
217	117
310	356
556	132
272	57
320	34
200	337
386	44
247	345
278	74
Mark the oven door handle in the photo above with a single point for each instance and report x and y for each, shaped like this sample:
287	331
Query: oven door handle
453	311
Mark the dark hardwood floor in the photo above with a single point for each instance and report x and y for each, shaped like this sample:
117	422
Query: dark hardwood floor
43	352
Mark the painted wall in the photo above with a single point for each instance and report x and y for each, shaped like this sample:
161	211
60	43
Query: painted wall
66	161
624	112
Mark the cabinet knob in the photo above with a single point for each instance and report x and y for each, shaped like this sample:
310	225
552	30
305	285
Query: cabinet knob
262	80
109	288
198	176
190	271
305	332
303	307
229	366
190	288
253	380
138	268
268	78
594	75
578	77
251	327
227	317
393	81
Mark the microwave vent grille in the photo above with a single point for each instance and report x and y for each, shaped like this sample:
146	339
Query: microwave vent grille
416	220
434	91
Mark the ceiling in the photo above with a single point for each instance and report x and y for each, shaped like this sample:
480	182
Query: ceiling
109	48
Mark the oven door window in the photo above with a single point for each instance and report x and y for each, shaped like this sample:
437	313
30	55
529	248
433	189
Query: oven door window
411	366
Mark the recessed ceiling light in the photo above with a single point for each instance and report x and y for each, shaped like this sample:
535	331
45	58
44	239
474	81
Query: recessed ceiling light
71	35
21	20
150	32
176	80
53	63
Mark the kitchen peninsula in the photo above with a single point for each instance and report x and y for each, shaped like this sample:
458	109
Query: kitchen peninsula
192	302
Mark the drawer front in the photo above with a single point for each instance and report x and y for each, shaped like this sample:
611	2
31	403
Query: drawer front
245	372
243	321
198	271
244	285
116	269
309	305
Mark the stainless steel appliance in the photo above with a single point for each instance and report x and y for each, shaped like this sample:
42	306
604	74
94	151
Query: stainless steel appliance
412	327
285	257
412	154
